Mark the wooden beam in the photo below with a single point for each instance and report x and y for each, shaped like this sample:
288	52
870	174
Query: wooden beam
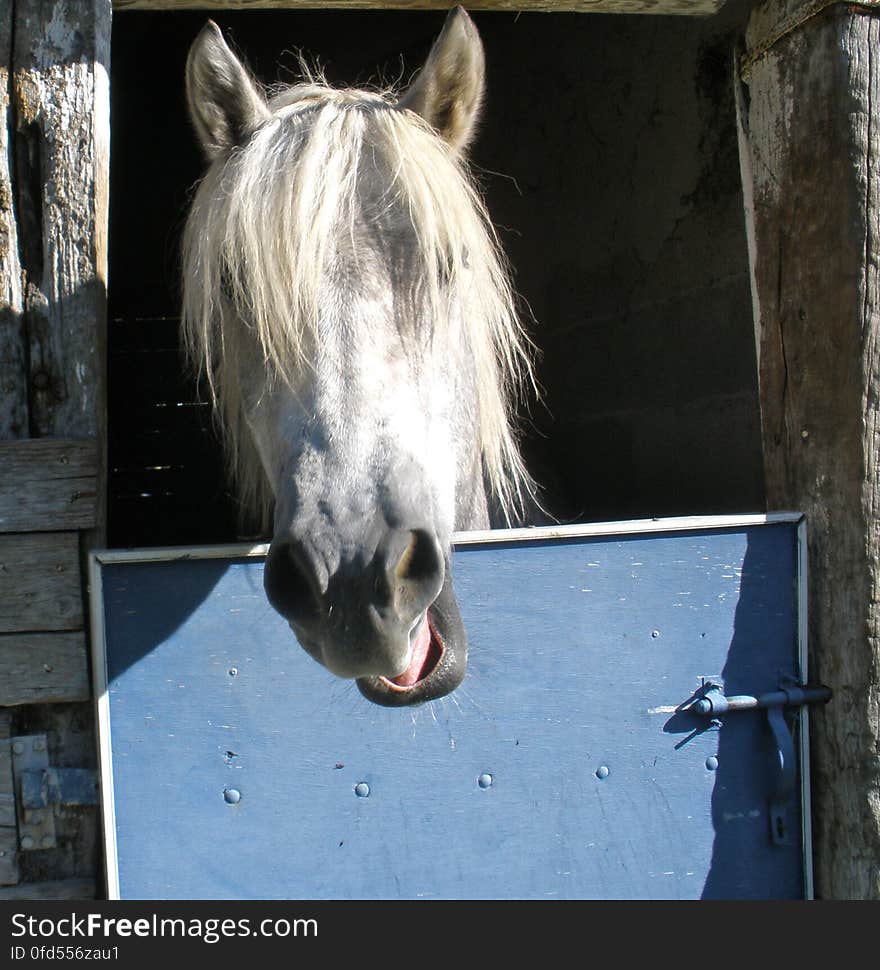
692	8
9	874
43	668
59	889
40	582
7	792
59	89
770	22
13	385
47	485
811	164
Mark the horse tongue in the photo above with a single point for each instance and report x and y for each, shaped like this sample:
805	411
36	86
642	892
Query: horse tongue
421	651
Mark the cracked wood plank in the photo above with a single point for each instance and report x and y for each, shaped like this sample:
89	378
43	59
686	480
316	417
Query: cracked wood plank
813	154
13	363
54	152
9	873
47	485
40	582
43	668
59	139
58	889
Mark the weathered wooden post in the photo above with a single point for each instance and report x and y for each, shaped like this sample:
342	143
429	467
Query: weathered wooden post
811	166
54	136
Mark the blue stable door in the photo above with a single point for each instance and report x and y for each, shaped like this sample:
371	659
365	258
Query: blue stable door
571	763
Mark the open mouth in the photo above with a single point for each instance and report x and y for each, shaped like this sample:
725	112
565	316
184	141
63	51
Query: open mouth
437	661
427	651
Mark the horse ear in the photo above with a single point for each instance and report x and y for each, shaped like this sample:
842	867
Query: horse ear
449	89
225	104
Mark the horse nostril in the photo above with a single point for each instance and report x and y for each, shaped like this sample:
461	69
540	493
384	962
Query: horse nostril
417	573
291	584
419	559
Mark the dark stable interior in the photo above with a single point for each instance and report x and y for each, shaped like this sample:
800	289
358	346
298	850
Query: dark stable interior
608	158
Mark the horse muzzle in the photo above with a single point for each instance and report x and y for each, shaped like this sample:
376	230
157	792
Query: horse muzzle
389	619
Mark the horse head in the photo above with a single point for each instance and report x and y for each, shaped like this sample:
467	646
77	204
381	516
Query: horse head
346	298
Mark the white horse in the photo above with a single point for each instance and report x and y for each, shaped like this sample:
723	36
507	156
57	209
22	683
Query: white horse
346	299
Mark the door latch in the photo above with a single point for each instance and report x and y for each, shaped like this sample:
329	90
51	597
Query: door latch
777	705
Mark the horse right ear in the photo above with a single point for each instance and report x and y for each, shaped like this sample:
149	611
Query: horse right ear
449	90
225	104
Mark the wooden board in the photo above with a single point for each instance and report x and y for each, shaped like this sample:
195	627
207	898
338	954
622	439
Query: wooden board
54	890
43	668
9	873
560	769
60	137
669	7
40	582
771	22
13	367
7	797
47	485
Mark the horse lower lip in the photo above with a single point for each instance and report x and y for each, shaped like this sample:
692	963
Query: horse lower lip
423	667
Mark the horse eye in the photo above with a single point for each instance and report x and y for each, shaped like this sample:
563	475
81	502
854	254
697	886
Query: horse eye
226	288
445	269
447	266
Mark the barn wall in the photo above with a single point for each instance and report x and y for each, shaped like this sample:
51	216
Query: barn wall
609	158
54	100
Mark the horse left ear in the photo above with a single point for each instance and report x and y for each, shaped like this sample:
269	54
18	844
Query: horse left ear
225	104
449	89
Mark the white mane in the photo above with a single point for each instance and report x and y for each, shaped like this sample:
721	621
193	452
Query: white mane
268	216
